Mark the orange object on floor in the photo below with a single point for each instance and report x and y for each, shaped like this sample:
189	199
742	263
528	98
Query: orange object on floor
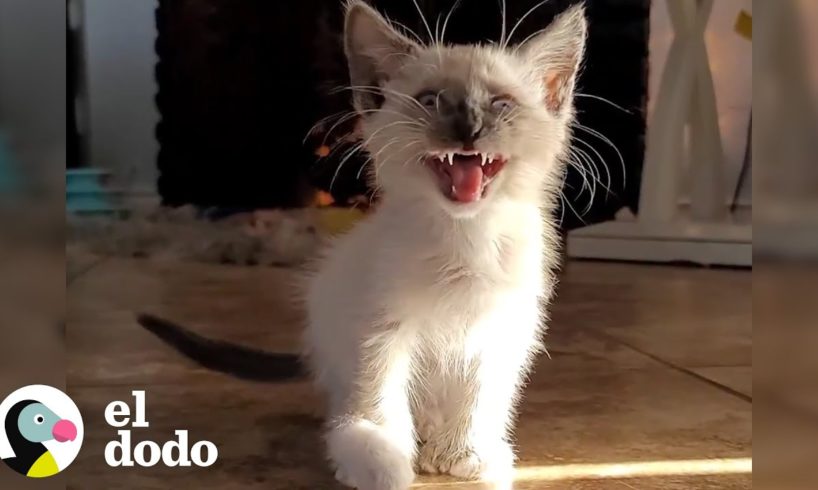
336	221
322	151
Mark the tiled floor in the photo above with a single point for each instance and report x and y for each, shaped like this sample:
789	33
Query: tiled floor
649	379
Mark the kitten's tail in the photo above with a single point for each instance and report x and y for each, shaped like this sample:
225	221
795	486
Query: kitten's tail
232	359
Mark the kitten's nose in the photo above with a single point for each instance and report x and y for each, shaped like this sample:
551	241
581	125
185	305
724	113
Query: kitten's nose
467	125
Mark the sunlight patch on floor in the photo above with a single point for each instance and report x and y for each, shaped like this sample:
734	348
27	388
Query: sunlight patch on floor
633	469
636	469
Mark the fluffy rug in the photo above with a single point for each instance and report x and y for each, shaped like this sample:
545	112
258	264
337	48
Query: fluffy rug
267	238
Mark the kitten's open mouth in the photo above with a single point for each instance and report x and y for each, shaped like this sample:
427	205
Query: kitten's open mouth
465	176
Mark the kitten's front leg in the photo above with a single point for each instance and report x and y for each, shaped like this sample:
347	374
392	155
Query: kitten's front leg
474	442
371	440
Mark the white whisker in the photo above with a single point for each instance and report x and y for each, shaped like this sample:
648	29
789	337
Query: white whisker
528	38
437	30
320	122
594	177
365	144
376	155
406	30
423	18
502	22
413	142
348	155
603	99
363	166
568	203
602	162
520	21
347	117
378	90
446	22
587	184
608	142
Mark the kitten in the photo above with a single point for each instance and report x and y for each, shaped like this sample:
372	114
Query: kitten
425	318
423	321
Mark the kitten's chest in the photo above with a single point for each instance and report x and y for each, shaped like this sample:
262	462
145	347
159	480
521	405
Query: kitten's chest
462	280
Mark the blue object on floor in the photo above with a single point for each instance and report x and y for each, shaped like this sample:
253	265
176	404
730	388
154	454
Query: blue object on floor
85	192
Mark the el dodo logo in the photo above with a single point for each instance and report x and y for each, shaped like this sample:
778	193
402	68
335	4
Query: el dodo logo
42	431
148	453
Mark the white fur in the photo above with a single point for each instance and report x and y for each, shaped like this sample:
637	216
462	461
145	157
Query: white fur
423	321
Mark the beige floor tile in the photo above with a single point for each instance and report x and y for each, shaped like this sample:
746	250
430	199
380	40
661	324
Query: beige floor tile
688	316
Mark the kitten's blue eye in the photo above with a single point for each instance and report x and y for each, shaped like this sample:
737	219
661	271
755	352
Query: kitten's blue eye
502	103
428	100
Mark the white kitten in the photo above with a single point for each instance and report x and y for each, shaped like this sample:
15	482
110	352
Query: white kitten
424	319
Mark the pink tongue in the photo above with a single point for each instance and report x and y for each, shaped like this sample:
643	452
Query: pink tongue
467	179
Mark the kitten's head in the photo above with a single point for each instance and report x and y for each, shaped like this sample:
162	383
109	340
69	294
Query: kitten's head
463	125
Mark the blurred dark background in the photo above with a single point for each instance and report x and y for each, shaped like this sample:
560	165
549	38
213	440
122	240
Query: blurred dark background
240	84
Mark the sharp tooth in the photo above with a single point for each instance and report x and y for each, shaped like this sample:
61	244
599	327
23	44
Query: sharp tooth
454	191
482	159
451	157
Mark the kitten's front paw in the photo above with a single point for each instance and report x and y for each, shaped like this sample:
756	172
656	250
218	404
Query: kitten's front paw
469	466
494	466
367	459
399	476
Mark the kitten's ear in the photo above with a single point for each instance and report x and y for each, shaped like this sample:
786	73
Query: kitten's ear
556	54
375	51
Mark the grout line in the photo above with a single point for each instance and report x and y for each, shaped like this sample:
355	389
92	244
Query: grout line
72	278
684	370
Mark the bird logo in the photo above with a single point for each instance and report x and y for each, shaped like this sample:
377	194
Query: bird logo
43	431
